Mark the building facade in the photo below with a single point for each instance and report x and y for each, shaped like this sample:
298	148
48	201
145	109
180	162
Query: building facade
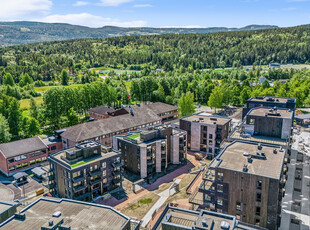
84	172
22	155
205	133
149	151
269	101
246	180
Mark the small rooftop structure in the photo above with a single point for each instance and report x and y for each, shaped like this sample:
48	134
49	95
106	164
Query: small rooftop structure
23	146
38	171
7	209
20	175
251	157
208	120
178	218
271	112
70	213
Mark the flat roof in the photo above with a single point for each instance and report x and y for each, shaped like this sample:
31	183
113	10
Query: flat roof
271	112
235	157
16	148
76	214
208	120
276	99
189	219
62	154
5	206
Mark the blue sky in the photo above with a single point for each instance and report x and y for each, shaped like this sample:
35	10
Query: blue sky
159	13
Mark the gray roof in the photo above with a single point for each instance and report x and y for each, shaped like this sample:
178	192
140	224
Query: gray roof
23	146
102	109
142	115
75	214
303	116
20	175
38	171
160	107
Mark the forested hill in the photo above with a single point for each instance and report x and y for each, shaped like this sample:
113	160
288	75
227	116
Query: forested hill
22	32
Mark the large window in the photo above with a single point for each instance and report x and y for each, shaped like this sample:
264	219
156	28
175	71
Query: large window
258	197
220	188
257	212
238	206
259	184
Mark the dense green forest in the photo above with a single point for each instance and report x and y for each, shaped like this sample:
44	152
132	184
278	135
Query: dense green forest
23	32
170	68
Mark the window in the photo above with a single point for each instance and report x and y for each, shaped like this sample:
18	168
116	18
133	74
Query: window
258	197
53	147
259	184
11	160
220	188
238	206
238	217
210	136
257	222
219	201
219	210
257	212
104	173
11	168
207	198
252	122
220	176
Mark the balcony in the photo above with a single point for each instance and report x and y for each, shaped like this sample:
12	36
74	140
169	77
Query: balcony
117	172
96	189
51	177
82	196
163	164
117	180
207	186
149	169
96	172
163	156
117	164
78	179
96	181
51	185
150	162
79	188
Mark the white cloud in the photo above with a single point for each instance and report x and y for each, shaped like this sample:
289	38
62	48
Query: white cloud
14	9
81	3
86	19
142	5
113	2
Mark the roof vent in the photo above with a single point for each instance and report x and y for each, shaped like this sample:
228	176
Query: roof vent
50	223
281	149
259	147
245	168
225	225
246	154
257	154
250	160
275	151
57	214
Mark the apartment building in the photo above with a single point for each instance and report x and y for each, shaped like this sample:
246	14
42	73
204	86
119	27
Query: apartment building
65	214
270	122
22	155
102	131
205	133
84	171
269	101
246	180
149	151
184	219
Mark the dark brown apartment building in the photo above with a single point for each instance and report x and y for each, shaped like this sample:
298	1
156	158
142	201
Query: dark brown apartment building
85	171
149	151
269	101
205	133
246	180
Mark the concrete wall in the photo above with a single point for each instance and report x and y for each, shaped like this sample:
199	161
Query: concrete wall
158	156
175	149
195	136
286	128
143	164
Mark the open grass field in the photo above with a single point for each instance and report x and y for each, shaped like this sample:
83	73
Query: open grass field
25	103
106	70
43	89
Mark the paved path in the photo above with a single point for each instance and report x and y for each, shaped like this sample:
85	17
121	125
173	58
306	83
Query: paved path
179	173
163	197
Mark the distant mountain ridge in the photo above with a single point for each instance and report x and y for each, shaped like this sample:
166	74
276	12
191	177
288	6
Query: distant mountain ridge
24	32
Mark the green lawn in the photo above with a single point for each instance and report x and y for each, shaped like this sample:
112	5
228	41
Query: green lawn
80	163
25	103
134	136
